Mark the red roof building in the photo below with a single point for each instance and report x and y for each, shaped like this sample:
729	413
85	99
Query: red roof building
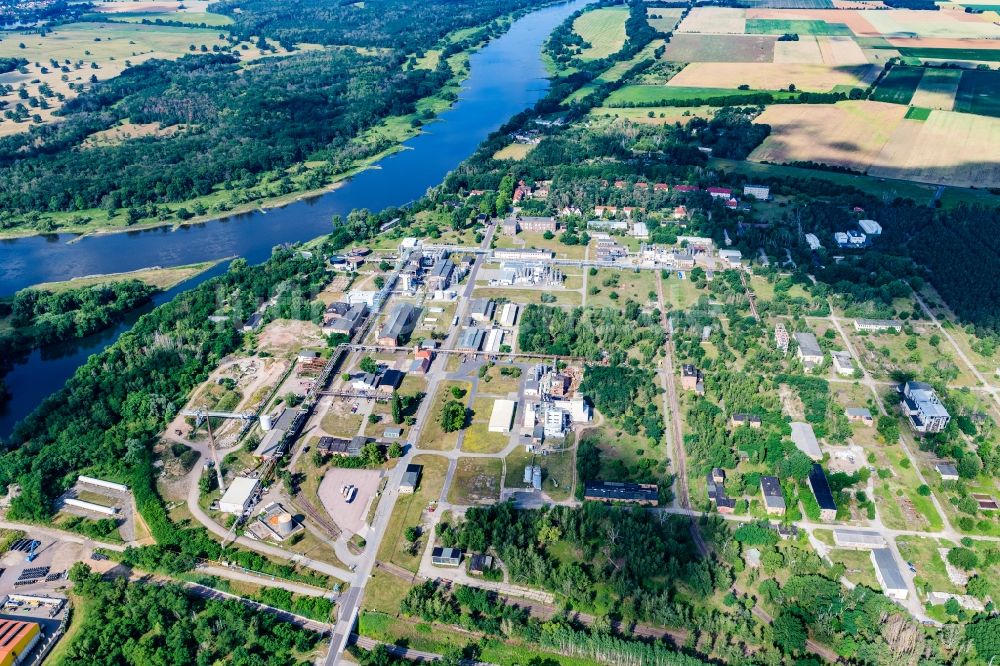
685	188
720	192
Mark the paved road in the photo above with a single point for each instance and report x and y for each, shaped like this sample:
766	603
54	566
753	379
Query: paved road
350	603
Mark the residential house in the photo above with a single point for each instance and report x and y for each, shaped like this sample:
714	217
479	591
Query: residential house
740	419
923	408
446	557
843	363
720	192
809	351
947	471
690	376
774	498
862	414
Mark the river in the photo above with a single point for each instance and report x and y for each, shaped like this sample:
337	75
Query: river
506	77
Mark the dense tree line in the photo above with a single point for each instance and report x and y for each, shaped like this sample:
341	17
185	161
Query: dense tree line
394	24
41	317
142	623
10	64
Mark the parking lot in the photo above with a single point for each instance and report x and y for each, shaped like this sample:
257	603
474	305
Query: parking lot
350	516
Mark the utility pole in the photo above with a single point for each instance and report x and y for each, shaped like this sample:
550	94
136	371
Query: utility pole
215	454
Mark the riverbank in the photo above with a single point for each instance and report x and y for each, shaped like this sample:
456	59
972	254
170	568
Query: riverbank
392	131
155	276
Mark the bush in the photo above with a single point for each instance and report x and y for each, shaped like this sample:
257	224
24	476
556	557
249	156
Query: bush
963	558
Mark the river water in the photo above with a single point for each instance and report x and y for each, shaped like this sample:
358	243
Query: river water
506	77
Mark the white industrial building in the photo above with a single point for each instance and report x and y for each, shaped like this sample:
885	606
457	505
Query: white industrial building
878	325
732	258
870	227
494	338
888	574
91	506
100	483
858	539
508	315
239	496
502	417
842	363
759	192
813	242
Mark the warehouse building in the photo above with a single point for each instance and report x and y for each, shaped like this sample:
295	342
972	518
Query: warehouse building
17	638
805	440
888	574
502	417
646	494
239	497
858	539
824	496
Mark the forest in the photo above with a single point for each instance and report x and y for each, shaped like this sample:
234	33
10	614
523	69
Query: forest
630	560
38	317
146	623
405	25
240	124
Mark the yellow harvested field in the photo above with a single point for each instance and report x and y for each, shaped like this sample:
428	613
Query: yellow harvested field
603	29
839	51
937	89
715	20
849	134
663	19
662	115
948	148
773	76
515	151
803	52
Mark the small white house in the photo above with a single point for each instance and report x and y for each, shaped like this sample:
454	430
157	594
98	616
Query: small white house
843	363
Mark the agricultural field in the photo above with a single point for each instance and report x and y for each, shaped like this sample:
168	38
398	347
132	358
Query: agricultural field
603	29
663	19
685	47
937	89
774	76
950	148
950	54
805	51
645	95
796	27
903	23
714	20
664	115
848	134
977	93
898	85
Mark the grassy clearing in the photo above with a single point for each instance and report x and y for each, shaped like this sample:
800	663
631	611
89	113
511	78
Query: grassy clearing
383	594
196	19
616	286
858	563
923	554
476	481
161	278
478	439
524	296
603	29
409	512
80	610
515	151
680	294
432	436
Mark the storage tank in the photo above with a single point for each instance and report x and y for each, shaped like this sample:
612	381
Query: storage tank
527	474
283	524
266	422
536	477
